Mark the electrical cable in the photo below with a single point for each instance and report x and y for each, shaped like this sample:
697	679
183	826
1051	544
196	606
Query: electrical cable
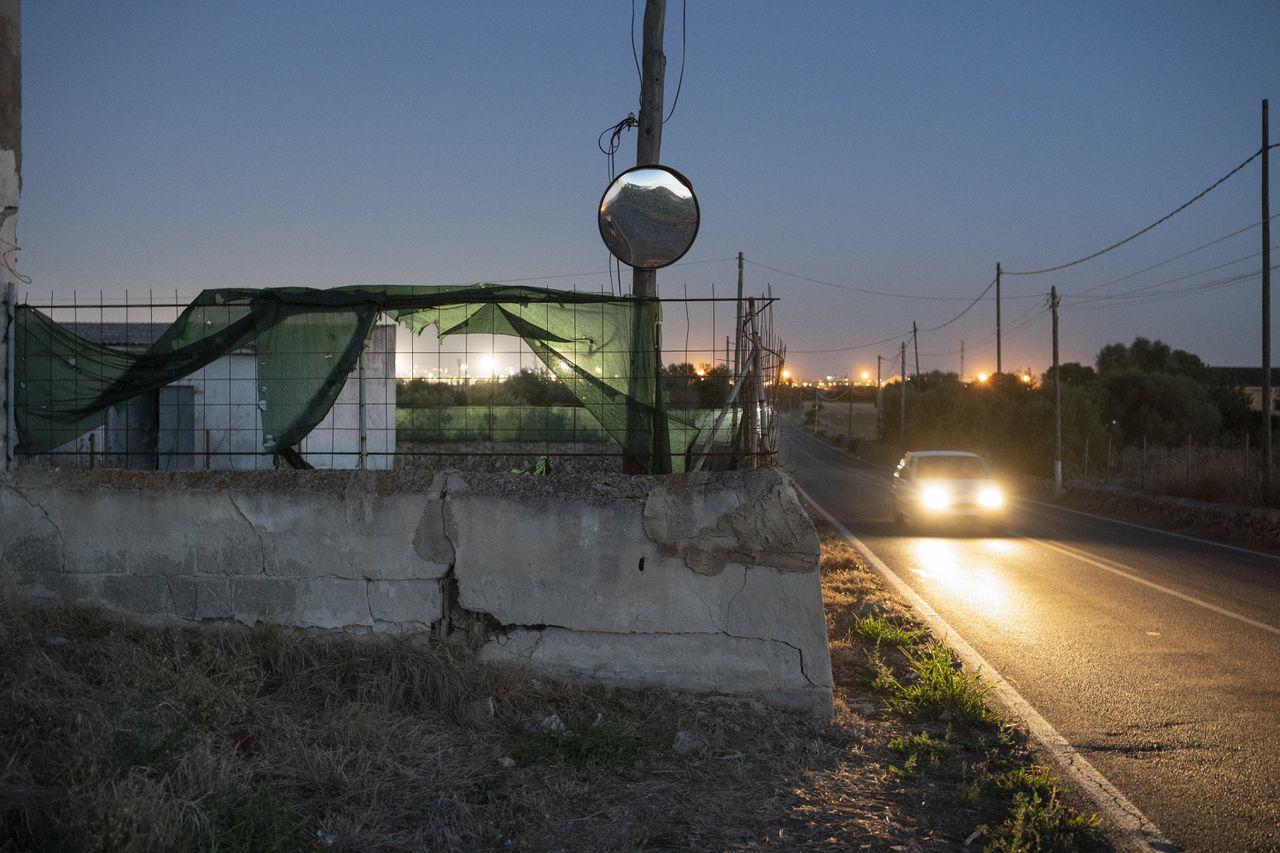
634	55
1137	234
1078	297
1174	258
906	334
1138	298
966	310
854	289
684	29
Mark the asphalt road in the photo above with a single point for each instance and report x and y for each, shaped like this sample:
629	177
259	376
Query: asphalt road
1156	656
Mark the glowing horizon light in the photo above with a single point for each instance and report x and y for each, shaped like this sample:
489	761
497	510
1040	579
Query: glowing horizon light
1026	377
982	377
786	374
865	376
486	365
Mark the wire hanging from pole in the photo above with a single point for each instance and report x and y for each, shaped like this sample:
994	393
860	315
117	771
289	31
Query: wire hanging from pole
684	51
1159	221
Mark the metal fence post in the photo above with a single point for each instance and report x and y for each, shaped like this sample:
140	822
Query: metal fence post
1142	468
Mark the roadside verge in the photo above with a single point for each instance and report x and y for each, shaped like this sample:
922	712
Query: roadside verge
1129	827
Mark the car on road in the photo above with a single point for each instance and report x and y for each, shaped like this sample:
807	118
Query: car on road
936	486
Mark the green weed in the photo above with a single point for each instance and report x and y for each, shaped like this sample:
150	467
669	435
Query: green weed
920	750
885	632
934	689
1039	822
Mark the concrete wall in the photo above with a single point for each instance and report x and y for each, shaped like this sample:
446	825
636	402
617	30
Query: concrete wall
703	583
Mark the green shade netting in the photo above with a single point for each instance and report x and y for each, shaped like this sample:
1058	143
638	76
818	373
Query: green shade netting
603	348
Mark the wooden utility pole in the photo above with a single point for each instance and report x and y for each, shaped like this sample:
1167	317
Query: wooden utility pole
878	383
962	362
1057	400
644	283
999	363
1268	405
848	389
10	192
915	344
902	388
649	141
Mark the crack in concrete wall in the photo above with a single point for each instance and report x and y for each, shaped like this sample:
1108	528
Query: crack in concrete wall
262	544
57	530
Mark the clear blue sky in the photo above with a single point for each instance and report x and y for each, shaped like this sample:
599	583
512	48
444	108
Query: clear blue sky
898	147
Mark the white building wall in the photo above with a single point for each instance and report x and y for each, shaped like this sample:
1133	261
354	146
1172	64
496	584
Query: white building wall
335	442
228	422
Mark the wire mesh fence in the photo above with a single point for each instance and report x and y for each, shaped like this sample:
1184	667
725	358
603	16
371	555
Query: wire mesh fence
1225	471
477	378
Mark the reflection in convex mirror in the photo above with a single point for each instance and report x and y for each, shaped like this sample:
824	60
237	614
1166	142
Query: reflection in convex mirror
649	217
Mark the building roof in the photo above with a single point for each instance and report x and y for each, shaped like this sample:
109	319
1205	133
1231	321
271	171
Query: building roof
1243	377
123	335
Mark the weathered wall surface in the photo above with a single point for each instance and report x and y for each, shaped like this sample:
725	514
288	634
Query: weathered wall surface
703	582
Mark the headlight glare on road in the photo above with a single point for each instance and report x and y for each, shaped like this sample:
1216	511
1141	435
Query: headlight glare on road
991	498
935	497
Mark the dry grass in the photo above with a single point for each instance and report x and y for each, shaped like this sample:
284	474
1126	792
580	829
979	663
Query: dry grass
119	737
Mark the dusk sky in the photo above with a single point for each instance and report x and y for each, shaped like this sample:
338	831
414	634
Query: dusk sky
903	148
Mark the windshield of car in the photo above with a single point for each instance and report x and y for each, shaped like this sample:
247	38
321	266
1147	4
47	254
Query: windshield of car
951	468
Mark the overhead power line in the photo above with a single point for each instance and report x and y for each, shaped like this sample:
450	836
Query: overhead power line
1080	297
868	291
975	301
935	328
1137	234
1140	298
1178	257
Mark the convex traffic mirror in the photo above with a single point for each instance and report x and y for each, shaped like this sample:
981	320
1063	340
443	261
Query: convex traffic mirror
649	217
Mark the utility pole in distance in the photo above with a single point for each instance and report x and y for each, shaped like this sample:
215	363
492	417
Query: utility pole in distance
915	344
1268	405
902	388
999	363
1057	400
877	383
649	140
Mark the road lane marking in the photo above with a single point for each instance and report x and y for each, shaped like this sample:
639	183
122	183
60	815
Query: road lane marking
1127	572
1223	545
1123	816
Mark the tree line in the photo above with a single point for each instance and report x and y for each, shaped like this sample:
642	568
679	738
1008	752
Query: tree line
1143	391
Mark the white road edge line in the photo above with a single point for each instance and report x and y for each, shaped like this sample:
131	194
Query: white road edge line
1117	568
1123	816
1197	539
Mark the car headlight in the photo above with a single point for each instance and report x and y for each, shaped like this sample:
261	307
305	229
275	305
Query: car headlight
991	498
935	497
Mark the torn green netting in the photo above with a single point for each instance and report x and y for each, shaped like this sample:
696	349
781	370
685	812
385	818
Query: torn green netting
603	348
